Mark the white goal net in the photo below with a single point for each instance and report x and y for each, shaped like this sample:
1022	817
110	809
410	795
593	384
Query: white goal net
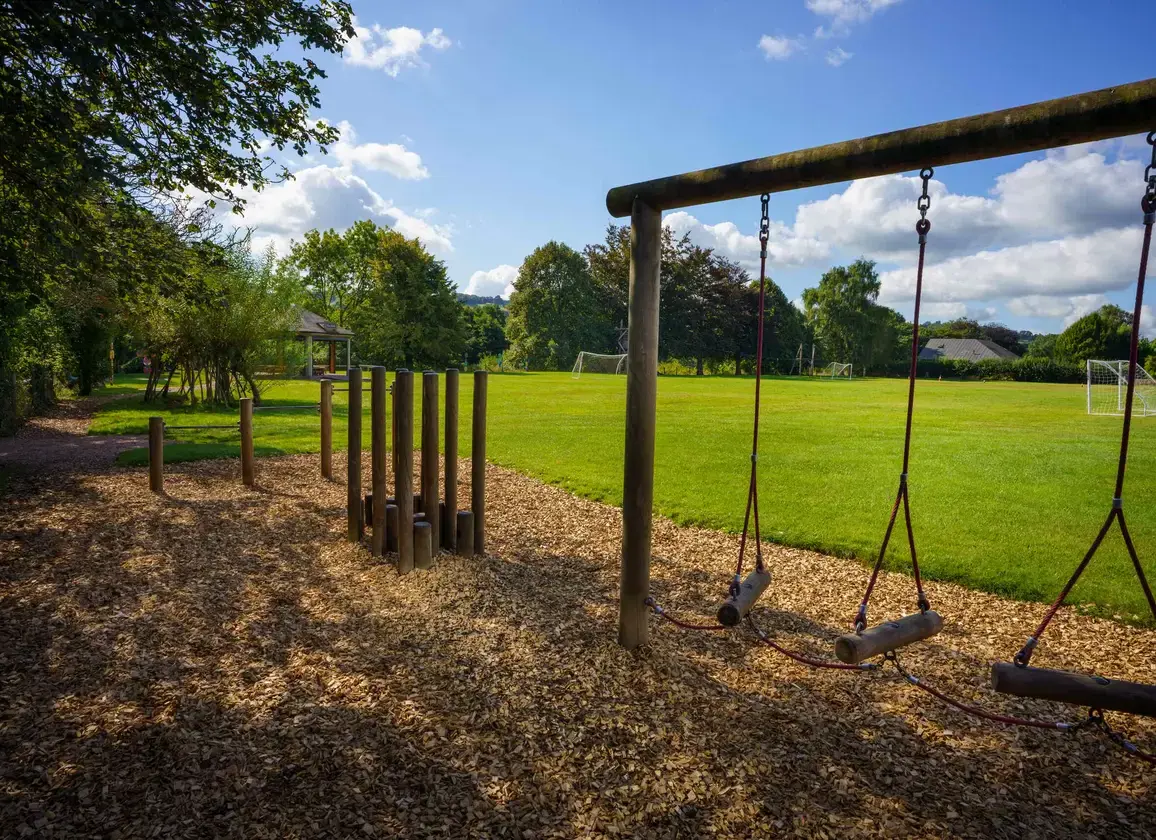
599	363
837	370
1108	389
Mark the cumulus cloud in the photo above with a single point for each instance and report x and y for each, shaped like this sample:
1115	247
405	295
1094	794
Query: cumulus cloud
844	13
779	47
391	50
326	197
784	247
838	57
497	281
1079	265
393	158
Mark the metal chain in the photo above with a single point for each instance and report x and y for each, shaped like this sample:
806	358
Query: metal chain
765	222
1149	202
924	203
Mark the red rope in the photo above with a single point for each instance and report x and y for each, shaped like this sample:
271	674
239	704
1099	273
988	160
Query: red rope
808	660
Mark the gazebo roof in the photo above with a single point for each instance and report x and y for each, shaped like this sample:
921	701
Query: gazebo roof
313	325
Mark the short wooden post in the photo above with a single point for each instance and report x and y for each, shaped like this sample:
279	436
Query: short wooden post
377	458
353	450
422	545
450	514
403	477
429	454
327	429
391	527
641	398
247	465
478	462
157	454
465	533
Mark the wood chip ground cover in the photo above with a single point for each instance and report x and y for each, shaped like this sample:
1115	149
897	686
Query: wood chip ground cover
220	662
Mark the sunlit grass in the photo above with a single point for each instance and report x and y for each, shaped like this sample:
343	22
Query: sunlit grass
1009	481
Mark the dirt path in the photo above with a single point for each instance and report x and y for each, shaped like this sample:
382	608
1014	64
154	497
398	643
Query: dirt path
221	662
60	443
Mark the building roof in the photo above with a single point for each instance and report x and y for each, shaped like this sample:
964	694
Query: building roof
973	349
312	324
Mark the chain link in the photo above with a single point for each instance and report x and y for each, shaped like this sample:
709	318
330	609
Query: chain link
765	225
1150	175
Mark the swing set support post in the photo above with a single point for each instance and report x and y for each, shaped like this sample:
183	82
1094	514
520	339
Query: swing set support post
641	392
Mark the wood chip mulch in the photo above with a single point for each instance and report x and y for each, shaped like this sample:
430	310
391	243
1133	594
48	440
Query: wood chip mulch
220	662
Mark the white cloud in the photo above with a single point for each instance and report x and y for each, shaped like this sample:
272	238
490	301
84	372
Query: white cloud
779	47
496	281
1147	322
846	12
838	57
1079	265
393	158
784	247
391	50
326	197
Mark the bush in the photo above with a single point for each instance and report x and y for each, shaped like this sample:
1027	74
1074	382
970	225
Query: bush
1028	369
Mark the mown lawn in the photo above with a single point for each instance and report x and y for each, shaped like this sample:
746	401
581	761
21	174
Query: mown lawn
1009	481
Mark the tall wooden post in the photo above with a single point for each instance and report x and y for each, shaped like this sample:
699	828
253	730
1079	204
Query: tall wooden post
478	461
403	476
247	465
641	395
157	454
393	427
449	523
429	455
353	450
377	457
327	429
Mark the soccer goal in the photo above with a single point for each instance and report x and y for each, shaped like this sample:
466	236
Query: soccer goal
837	370
1108	389
599	363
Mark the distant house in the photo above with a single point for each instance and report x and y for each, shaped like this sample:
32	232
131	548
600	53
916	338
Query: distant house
312	328
972	349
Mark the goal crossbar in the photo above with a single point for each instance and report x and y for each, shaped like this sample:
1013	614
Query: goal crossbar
588	362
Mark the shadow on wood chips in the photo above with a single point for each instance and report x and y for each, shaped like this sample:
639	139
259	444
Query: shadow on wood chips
219	662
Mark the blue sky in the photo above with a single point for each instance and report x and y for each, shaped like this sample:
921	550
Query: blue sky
487	128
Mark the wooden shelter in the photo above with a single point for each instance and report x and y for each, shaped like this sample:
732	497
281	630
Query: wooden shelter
312	327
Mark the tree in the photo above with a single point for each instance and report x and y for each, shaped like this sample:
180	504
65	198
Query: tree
555	310
336	268
839	311
410	315
1103	334
486	328
1042	347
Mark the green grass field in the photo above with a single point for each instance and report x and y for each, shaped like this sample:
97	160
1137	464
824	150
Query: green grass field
1009	481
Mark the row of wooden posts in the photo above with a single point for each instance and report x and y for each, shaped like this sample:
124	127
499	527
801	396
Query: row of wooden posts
414	525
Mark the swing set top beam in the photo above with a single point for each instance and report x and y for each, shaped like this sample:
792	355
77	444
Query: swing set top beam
1085	117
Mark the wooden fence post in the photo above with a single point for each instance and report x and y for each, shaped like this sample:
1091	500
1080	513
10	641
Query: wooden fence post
377	431
429	455
353	450
478	462
157	454
327	429
641	397
450	515
247	465
403	476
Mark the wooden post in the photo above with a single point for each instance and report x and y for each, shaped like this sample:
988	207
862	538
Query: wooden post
353	450
854	648
735	609
465	533
393	427
1077	689
429	454
377	457
247	466
478	462
403	477
391	527
641	398
157	454
450	515
422	545
327	429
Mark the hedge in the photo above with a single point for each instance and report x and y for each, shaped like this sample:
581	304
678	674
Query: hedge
1000	370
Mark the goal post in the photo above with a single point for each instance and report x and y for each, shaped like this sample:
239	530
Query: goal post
1107	389
838	370
614	363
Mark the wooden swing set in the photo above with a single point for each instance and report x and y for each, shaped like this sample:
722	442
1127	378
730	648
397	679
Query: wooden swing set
1098	115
